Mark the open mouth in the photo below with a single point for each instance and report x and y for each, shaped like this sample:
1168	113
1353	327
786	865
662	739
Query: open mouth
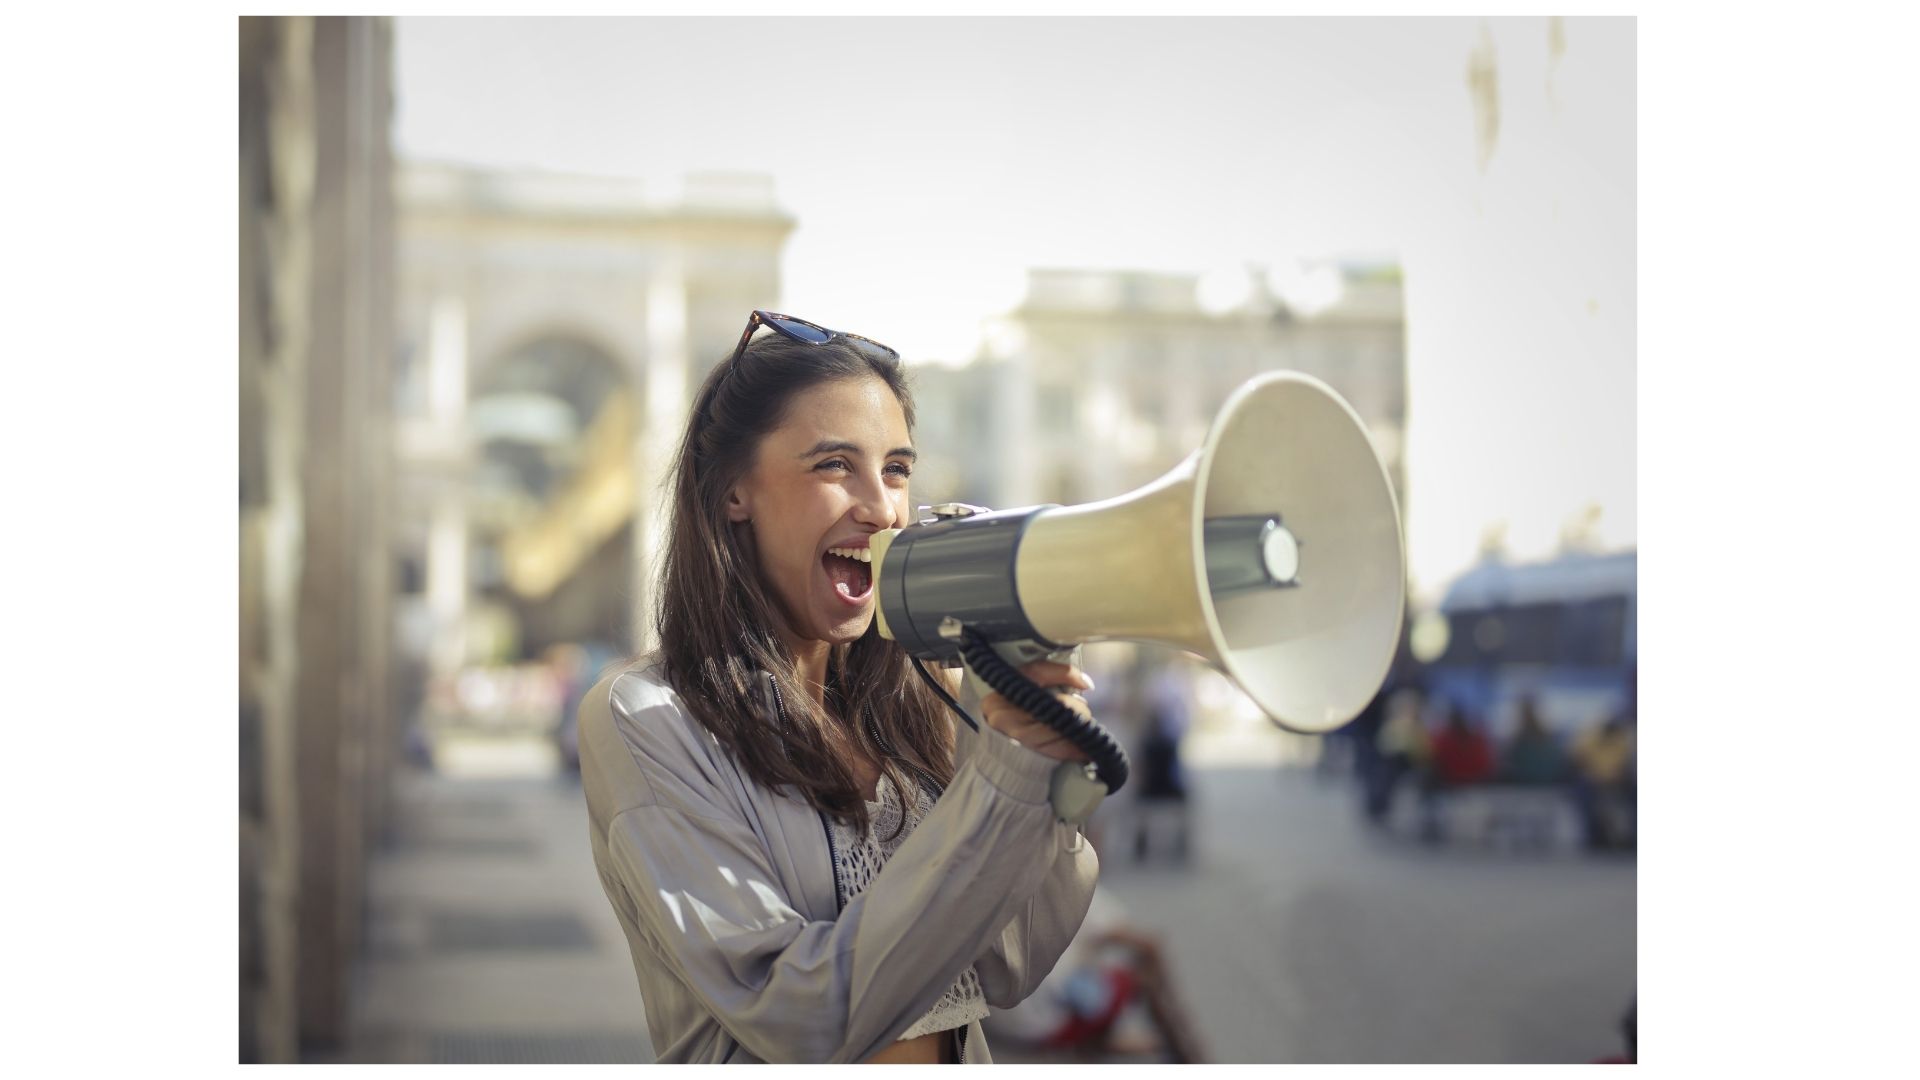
850	571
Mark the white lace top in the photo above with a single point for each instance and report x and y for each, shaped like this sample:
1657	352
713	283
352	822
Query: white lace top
857	859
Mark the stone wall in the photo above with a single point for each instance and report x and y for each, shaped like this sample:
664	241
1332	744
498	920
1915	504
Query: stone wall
317	724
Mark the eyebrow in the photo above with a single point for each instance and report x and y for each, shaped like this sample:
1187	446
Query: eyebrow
841	446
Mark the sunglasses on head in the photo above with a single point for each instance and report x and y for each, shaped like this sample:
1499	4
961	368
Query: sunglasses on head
807	334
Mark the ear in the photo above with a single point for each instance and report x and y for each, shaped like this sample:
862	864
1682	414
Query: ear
739	507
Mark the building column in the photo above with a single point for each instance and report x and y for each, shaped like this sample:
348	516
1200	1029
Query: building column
370	57
314	344
347	348
1104	422
663	385
447	574
276	140
1013	439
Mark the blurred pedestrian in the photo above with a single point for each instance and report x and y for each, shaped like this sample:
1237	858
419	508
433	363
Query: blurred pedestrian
579	667
1533	757
1403	750
1462	756
1462	753
1168	711
1360	739
1604	782
1356	745
569	665
1115	697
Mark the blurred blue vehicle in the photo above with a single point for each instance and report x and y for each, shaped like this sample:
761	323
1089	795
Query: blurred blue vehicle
1560	632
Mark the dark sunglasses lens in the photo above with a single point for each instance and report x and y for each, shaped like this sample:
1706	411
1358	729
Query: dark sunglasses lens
803	331
873	348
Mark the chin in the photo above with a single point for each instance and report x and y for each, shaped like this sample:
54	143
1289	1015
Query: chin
848	631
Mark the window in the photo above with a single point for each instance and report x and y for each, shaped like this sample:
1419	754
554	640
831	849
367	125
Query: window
1585	633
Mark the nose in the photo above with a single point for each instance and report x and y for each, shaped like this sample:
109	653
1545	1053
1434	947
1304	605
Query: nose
874	505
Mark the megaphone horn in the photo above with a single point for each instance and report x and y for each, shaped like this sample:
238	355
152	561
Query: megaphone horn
1273	552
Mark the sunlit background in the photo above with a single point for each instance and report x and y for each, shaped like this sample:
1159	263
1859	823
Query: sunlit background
484	262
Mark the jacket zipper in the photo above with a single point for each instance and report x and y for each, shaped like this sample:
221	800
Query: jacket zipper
833	855
933	789
826	826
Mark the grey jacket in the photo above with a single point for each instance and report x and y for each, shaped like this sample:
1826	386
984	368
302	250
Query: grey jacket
726	890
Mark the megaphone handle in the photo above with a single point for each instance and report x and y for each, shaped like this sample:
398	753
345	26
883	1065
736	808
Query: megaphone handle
990	664
1019	653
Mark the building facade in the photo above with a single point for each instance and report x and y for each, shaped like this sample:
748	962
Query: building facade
552	330
1100	381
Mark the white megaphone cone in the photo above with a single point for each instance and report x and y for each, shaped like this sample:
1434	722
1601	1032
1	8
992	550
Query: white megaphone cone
1304	616
1273	552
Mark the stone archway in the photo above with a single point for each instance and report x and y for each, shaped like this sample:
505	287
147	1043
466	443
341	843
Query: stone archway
551	420
530	406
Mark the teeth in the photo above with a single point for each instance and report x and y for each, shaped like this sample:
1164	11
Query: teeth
864	555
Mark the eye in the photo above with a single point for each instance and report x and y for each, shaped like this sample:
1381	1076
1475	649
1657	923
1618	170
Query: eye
835	463
900	469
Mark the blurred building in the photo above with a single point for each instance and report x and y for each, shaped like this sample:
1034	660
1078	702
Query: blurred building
315	690
1102	380
552	330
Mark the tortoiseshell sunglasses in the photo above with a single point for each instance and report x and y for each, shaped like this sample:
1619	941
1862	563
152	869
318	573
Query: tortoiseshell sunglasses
807	334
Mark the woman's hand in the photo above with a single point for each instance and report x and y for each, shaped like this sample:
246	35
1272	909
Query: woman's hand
1019	725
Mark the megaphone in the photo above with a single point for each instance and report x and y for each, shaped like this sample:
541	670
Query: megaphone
1273	553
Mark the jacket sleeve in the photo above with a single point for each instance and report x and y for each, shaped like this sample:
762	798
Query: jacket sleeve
1027	948
790	989
1023	953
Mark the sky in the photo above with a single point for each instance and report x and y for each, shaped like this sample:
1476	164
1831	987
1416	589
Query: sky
931	161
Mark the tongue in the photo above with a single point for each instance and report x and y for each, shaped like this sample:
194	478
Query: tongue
850	576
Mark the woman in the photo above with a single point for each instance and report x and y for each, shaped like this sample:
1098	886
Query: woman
810	861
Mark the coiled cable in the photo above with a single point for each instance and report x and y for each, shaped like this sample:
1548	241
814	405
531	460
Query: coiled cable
1109	758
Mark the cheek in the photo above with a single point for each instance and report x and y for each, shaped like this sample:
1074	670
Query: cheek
788	533
783	569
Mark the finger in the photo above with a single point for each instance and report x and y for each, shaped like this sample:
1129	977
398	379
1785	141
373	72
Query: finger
1073	697
1005	717
1041	739
1046	741
1018	725
1051	738
1051	673
996	703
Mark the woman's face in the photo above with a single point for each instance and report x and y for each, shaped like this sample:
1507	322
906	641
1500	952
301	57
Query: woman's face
828	478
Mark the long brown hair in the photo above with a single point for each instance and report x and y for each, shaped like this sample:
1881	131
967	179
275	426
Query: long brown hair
716	618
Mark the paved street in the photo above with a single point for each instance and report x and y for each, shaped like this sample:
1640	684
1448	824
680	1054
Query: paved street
1295	935
1300	936
488	937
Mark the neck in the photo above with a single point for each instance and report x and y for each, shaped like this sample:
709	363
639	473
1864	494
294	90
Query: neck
810	664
